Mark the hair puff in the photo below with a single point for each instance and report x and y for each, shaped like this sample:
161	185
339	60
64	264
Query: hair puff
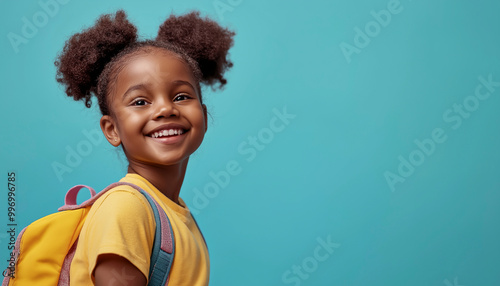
203	40
86	54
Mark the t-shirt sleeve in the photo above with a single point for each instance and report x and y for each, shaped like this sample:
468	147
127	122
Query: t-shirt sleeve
122	224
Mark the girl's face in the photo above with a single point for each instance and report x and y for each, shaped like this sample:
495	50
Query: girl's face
157	114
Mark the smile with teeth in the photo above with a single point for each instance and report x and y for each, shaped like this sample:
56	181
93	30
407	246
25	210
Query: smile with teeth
169	132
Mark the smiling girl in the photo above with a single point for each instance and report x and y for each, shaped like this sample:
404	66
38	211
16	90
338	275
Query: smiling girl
149	94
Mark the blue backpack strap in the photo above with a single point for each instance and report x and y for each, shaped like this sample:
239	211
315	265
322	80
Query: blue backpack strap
162	254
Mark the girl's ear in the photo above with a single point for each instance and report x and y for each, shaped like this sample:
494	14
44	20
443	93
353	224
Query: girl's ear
108	127
205	114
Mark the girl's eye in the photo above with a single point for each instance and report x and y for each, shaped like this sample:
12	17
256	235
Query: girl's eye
181	97
139	102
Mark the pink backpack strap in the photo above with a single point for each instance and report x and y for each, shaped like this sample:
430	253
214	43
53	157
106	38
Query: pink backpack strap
71	195
70	199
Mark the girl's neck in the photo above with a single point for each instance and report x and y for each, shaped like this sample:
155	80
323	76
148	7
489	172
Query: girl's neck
167	179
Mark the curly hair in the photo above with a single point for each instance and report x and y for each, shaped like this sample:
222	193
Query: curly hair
90	60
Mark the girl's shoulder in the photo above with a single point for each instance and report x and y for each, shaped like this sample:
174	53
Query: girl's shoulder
120	222
122	201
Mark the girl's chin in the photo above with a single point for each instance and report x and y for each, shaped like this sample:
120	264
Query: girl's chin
159	157
158	162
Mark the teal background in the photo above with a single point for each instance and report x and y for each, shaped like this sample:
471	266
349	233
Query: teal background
322	176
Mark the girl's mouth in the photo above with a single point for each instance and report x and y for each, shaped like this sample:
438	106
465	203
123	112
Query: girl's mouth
167	133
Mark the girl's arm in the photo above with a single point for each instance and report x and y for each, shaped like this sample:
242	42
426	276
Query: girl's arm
114	270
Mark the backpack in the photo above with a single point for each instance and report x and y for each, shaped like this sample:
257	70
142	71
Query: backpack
44	249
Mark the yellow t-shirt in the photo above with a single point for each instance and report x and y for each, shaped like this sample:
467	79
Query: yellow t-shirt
121	222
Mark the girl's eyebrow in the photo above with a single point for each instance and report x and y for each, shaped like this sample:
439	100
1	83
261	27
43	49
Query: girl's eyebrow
183	82
134	87
142	86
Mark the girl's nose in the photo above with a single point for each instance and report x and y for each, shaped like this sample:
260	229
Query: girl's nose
165	109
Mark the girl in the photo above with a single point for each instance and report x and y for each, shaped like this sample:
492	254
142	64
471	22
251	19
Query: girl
149	95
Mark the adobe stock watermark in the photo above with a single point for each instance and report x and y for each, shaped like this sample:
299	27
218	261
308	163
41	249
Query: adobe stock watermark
249	149
298	273
455	116
75	154
371	29
224	6
455	282
31	25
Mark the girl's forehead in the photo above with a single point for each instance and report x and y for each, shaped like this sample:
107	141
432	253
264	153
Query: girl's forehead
155	65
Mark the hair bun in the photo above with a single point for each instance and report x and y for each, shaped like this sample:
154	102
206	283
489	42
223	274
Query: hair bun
203	40
86	54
